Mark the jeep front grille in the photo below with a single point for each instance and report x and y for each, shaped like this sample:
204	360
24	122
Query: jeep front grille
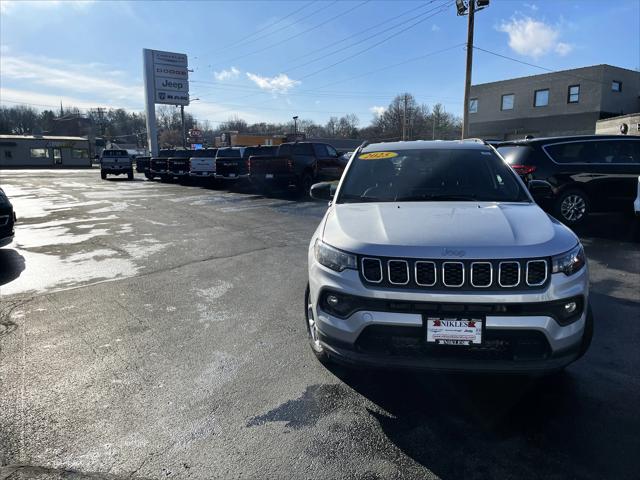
423	274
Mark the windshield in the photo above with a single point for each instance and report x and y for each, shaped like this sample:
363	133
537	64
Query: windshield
228	153
252	151
430	175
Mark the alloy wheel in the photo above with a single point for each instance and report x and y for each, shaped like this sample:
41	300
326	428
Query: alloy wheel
573	207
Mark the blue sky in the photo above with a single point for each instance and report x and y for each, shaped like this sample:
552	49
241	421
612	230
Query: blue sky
260	60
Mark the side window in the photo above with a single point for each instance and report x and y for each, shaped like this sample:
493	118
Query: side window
321	150
574	152
284	150
620	151
39	153
332	151
303	149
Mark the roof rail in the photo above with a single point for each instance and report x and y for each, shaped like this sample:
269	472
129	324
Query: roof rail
475	140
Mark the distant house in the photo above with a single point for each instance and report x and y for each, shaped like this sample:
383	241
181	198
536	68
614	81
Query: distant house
17	151
568	102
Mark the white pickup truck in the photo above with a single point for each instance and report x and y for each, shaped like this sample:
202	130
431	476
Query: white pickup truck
116	162
203	163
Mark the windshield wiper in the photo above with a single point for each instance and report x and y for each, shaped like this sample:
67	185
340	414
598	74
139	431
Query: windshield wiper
437	197
358	198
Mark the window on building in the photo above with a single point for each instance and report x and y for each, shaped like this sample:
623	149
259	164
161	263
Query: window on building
507	101
57	156
616	86
573	94
541	98
39	153
79	153
8	154
473	105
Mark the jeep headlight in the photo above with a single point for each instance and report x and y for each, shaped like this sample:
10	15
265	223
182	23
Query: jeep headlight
569	262
333	258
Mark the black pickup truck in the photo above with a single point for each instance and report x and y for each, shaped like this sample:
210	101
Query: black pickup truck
178	163
232	163
298	165
158	165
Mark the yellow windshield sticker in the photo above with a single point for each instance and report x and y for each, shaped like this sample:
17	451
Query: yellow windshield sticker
377	155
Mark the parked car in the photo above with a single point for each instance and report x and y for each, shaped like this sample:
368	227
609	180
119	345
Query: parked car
591	173
636	204
178	163
158	165
231	163
7	220
434	255
142	164
202	163
116	162
298	165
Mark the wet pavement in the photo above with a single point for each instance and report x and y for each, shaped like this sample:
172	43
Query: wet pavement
153	330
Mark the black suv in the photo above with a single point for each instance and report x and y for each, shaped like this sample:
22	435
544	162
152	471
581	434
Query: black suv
589	173
7	220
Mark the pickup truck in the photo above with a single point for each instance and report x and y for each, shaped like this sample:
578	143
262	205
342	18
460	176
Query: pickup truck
202	163
178	163
115	162
158	165
231	164
142	164
297	165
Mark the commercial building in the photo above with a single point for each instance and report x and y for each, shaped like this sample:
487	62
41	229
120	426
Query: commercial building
17	151
622	125
568	102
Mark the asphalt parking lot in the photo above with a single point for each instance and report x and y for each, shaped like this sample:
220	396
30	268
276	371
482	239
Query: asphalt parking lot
152	330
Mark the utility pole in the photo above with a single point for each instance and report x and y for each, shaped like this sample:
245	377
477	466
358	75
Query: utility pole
469	9
295	126
404	119
184	138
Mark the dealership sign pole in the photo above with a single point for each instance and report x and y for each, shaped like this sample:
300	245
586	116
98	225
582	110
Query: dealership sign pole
166	81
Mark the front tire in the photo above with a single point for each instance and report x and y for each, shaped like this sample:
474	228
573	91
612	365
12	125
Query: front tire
130	175
103	175
304	185
572	207
312	330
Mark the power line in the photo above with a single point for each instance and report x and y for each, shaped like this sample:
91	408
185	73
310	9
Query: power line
443	7
244	40
368	29
565	73
300	33
376	34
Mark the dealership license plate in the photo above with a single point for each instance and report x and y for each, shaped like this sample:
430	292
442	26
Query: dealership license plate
232	175
454	331
268	175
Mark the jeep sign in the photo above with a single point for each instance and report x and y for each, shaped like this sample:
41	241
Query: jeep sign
172	84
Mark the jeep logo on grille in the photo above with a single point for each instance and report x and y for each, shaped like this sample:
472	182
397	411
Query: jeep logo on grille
452	252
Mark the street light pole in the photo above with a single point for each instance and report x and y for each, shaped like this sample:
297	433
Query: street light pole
467	82
184	138
470	8
295	125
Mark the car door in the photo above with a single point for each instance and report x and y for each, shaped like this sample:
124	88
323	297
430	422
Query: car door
327	158
621	165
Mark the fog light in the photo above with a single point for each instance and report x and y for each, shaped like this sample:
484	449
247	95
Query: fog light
333	300
570	307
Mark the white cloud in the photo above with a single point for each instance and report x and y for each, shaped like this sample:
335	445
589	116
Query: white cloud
7	6
279	84
563	49
533	38
59	78
531	6
377	110
233	72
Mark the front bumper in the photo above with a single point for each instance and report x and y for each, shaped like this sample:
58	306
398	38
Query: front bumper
232	176
202	174
557	345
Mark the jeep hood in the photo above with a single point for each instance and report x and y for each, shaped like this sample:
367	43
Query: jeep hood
446	230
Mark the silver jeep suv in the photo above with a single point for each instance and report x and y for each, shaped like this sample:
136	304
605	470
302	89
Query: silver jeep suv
435	255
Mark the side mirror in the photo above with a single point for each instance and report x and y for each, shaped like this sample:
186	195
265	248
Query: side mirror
540	190
322	191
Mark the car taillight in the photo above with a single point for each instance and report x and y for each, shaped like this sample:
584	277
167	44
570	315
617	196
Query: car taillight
249	165
524	169
290	164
